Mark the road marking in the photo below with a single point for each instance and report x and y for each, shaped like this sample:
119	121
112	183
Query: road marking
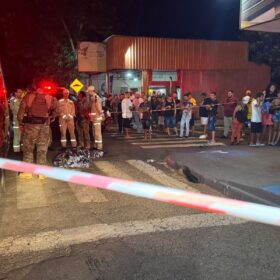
59	239
161	142
86	195
110	169
30	193
159	175
181	146
213	152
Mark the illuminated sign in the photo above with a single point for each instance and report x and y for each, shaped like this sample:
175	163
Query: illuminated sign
260	15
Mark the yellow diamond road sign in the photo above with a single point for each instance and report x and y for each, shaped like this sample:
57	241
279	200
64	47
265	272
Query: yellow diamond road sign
76	85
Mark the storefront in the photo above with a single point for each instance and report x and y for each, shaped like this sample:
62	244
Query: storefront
168	65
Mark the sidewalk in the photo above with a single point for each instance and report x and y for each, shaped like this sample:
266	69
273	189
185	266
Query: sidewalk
239	172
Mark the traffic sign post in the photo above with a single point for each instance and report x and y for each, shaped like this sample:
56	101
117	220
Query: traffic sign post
77	85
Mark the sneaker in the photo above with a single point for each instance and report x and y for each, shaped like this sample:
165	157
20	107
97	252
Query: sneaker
252	145
260	145
210	142
25	175
223	137
203	136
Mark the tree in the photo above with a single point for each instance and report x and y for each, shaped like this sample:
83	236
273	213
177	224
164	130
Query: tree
265	48
39	38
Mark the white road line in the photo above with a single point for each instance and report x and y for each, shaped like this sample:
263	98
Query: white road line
181	146
155	142
59	239
30	193
110	169
159	175
86	195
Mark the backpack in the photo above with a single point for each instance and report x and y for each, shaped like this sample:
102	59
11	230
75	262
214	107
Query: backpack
241	115
265	107
39	106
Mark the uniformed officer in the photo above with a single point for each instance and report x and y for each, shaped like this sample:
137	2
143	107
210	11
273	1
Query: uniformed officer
96	117
37	106
14	105
82	123
66	112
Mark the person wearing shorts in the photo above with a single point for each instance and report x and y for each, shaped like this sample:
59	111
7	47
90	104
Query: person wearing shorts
276	119
212	108
126	113
203	114
170	115
267	114
256	121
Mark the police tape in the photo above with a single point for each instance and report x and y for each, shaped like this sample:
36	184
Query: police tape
241	209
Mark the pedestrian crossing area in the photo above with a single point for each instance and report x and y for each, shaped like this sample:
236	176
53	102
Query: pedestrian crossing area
36	193
161	140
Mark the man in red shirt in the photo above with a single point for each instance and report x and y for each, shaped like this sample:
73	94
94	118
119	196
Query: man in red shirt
230	102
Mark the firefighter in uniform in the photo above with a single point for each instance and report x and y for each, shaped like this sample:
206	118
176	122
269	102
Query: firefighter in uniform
96	117
14	106
66	112
82	123
38	108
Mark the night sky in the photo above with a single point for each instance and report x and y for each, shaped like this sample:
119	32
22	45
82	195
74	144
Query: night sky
199	19
32	37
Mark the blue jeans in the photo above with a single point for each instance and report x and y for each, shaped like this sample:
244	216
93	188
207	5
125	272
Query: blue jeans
212	123
185	124
170	122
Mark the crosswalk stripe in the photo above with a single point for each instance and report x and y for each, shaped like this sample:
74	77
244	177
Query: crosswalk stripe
112	170
159	176
86	195
30	194
181	146
169	142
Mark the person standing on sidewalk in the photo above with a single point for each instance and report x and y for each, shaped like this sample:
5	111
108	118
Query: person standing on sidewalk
186	108
229	104
256	124
119	113
203	114
127	107
82	120
96	117
146	117
40	108
66	113
275	106
212	107
14	106
170	115
239	118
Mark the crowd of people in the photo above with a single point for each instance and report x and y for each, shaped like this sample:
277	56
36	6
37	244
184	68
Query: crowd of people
32	114
259	113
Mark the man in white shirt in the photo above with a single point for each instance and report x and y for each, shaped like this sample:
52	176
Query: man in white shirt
256	121
126	113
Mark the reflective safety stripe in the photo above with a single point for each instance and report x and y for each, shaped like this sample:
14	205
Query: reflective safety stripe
73	140
98	141
64	117
70	116
16	126
97	124
93	114
63	140
16	146
99	118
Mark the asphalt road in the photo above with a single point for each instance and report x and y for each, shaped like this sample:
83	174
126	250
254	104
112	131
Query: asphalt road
55	230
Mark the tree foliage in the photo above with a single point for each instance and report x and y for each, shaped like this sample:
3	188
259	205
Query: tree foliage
37	36
265	48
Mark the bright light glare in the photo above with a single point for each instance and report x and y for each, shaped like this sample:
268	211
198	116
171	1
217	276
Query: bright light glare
129	74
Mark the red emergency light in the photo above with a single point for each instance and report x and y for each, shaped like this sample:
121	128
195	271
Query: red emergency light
48	87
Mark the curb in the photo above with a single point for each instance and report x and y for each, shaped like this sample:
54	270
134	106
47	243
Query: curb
228	189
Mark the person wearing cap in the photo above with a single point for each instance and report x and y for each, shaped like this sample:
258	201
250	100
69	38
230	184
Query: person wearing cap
96	115
239	118
66	113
